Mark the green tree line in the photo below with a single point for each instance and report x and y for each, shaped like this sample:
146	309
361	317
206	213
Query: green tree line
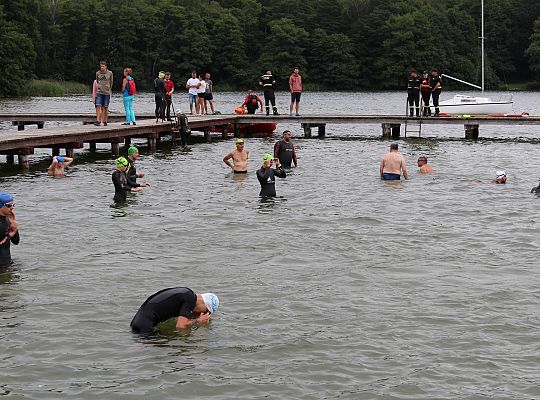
341	44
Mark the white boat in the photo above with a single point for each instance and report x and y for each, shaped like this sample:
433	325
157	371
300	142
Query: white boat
470	105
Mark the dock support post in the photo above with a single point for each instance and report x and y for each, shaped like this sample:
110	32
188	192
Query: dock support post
24	162
224	132
93	146
115	148
471	132
20	126
40	124
152	141
127	141
307	130
10	159
69	152
322	131
56	151
207	134
391	130
236	130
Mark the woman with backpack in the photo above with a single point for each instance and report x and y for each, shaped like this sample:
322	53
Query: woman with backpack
128	90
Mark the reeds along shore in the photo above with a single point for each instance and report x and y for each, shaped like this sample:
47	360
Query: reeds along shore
47	88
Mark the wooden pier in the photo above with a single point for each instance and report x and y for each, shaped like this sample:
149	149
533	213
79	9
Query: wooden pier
22	143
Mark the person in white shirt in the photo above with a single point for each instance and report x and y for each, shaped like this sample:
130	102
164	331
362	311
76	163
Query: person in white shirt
200	94
192	85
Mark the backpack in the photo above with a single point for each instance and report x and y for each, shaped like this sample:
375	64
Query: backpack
132	89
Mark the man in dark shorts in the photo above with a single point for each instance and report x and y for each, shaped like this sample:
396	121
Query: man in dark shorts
267	176
182	303
295	86
393	165
284	151
209	95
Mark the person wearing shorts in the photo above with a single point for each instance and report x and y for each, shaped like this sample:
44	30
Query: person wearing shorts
295	85
208	95
192	85
104	79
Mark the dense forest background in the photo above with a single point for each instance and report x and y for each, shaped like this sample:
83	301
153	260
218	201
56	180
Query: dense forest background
343	44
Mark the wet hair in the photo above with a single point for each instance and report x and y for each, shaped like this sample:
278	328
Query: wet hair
394	146
422	158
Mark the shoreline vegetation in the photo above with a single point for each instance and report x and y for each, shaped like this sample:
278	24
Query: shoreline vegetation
50	88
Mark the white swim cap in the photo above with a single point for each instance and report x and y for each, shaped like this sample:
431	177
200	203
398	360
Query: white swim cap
211	302
500	174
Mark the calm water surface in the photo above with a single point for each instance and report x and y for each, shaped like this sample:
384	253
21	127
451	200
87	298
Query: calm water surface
344	287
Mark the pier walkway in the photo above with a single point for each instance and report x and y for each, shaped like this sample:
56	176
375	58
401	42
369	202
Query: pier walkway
21	143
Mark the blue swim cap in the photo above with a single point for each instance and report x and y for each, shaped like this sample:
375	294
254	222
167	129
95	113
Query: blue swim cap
5	198
60	159
211	302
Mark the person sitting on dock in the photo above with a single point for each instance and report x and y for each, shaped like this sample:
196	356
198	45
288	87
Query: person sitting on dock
500	178
58	165
422	164
267	176
9	229
239	157
284	151
104	79
131	171
120	182
392	165
536	189
189	308
252	102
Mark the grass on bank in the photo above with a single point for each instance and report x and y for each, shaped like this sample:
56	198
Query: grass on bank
46	88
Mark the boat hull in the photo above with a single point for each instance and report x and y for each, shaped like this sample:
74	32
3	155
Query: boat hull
468	105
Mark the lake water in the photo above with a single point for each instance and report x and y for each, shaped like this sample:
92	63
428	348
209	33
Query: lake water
344	287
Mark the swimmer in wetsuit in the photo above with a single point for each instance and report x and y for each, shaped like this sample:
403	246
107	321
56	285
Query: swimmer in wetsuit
131	171
182	303
392	165
267	176
536	189
239	157
120	181
9	229
284	150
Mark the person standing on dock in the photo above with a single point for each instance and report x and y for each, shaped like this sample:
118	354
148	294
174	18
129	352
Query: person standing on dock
425	90
189	308
413	93
201	91
209	95
422	164
9	229
393	165
295	85
436	89
128	96
192	85
104	79
252	101
159	96
267	176
58	165
119	178
131	171
169	90
284	151
268	81
239	157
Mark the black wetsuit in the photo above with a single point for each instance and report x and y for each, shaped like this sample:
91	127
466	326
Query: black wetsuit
121	186
163	305
413	95
536	189
435	93
269	96
267	179
285	152
131	174
5	253
159	91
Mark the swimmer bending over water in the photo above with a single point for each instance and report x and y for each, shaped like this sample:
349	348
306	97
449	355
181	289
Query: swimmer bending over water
392	165
239	156
180	302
